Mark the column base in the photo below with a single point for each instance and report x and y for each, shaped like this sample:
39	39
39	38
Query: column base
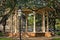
45	34
13	34
48	34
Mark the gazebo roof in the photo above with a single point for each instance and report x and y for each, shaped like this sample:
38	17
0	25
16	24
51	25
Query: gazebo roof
26	10
40	10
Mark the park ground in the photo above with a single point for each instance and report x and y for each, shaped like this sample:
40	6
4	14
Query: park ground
32	38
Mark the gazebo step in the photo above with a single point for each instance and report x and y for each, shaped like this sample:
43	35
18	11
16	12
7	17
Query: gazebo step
31	34
46	34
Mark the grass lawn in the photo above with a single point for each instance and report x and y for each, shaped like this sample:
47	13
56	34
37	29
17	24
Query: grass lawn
5	38
56	39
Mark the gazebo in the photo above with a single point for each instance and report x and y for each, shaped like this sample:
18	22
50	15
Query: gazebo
45	21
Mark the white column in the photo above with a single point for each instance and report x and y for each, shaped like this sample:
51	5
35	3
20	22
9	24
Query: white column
26	22
47	23
15	22
12	23
34	28
43	23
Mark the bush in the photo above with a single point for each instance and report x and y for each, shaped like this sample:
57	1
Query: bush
58	33
5	38
1	34
56	39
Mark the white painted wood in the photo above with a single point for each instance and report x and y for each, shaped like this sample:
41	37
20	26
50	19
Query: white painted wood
34	28
47	23
43	23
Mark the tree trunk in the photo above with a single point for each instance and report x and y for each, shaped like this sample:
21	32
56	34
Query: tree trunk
4	26
54	22
3	29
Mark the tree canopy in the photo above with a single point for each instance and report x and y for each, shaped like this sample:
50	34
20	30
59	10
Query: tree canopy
11	4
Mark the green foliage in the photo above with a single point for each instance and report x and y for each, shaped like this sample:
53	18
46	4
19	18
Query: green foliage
30	20
1	34
10	3
58	33
57	24
7	4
